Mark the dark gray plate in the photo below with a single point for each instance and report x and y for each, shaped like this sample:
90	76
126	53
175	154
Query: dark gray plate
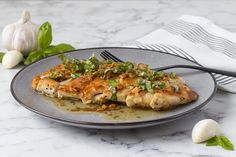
203	83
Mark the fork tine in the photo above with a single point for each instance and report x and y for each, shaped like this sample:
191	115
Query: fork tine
107	56
111	56
104	57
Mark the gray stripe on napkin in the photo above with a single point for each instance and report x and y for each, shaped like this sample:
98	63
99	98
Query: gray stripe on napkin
196	34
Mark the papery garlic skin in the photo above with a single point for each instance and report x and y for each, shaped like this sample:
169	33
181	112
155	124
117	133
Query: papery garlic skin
22	35
11	59
204	130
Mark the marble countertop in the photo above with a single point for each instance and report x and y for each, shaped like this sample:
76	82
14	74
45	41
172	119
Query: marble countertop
110	23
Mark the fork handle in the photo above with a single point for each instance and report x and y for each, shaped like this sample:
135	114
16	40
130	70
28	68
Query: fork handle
210	70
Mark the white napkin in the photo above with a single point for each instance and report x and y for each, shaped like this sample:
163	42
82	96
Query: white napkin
199	40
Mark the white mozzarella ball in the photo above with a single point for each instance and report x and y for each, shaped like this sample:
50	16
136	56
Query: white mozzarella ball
204	130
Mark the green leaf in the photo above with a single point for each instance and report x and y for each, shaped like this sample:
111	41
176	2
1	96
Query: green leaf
222	141
1	56
45	35
64	47
225	143
212	142
51	50
34	56
44	41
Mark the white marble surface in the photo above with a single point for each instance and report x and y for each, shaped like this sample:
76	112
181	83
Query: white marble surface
109	23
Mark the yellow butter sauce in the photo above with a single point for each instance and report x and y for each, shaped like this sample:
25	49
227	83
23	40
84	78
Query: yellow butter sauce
118	112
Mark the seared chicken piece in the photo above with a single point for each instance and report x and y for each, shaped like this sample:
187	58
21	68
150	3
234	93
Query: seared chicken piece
112	81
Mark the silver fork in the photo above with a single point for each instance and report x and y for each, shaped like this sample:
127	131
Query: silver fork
107	55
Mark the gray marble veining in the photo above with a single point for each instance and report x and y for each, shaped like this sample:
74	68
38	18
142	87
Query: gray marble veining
109	23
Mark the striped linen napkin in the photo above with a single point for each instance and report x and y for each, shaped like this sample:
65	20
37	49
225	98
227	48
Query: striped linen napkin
199	40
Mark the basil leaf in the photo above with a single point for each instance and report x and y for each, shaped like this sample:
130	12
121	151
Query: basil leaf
34	56
225	143
64	47
51	50
45	35
44	41
1	56
212	142
222	141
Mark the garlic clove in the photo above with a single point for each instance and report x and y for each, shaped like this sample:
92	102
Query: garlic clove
11	59
204	130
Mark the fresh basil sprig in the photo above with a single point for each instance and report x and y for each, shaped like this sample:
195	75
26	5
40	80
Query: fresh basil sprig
45	35
45	49
222	141
1	56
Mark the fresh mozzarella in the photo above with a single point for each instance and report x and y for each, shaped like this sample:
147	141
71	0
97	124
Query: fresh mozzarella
204	130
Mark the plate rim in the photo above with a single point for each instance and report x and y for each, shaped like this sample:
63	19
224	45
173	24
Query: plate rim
84	123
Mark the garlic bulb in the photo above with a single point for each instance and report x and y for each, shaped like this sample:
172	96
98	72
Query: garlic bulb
22	35
204	130
11	59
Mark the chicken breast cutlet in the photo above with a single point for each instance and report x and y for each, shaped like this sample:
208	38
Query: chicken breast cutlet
94	81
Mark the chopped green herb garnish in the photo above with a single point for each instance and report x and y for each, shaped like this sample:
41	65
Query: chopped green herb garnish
75	75
145	84
148	85
130	66
142	73
142	83
123	68
112	84
148	80
159	84
63	58
79	66
172	75
56	75
106	61
158	74
91	64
